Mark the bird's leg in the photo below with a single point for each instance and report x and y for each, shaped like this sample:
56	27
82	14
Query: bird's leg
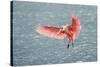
72	44
68	44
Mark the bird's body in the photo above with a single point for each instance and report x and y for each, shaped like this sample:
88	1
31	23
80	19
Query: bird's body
70	31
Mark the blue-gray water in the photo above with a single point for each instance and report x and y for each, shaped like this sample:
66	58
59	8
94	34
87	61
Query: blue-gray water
31	48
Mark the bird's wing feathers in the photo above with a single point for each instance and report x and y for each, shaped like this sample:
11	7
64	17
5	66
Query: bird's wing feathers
50	31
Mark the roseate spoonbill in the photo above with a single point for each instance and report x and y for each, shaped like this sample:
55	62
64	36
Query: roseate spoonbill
70	31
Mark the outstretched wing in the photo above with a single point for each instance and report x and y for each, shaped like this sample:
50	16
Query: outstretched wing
51	31
76	27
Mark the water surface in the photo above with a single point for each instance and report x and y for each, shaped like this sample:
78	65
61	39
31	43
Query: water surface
31	48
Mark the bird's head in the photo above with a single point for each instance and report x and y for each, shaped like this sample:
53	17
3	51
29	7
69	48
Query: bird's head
64	26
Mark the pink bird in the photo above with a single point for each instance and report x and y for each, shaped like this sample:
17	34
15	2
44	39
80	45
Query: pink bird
70	31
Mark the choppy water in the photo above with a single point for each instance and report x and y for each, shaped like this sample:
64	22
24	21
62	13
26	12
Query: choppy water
31	48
